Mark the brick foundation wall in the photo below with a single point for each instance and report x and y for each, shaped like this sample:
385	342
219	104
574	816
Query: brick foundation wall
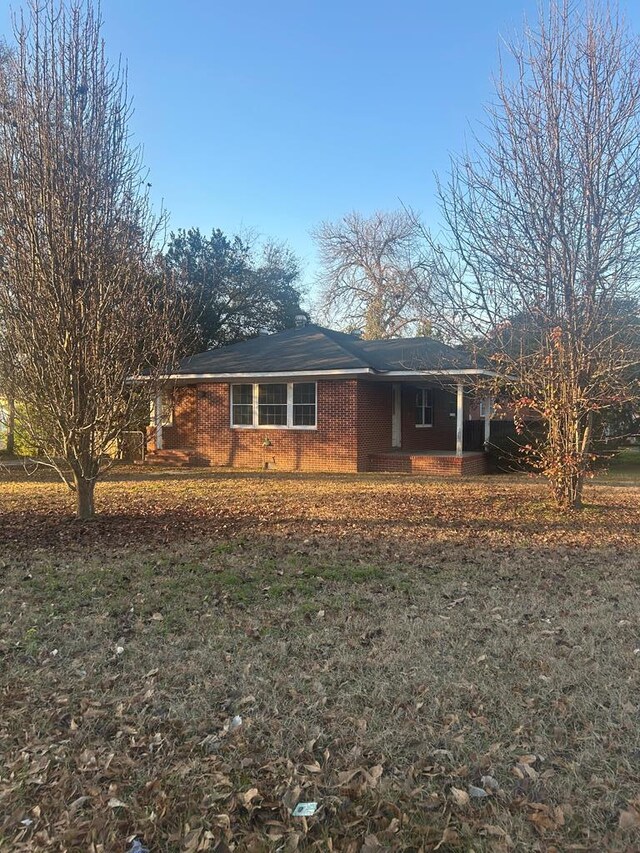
202	423
476	465
442	466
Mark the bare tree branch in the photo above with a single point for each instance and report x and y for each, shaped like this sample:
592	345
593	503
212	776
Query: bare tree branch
82	306
373	275
539	265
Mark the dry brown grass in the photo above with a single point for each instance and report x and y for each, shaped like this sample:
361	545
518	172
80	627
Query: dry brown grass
387	641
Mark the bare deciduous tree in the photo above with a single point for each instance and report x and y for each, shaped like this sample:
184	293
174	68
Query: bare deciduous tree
372	275
81	307
540	262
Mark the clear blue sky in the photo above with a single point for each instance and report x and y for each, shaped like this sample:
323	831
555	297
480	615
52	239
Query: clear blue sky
277	115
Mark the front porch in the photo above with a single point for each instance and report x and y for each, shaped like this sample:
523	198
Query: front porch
440	463
437	427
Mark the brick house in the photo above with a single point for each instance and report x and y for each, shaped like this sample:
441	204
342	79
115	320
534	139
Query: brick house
312	399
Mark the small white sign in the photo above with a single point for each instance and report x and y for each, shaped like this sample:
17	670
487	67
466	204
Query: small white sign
305	809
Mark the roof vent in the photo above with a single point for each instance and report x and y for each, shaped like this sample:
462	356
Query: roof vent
357	333
301	319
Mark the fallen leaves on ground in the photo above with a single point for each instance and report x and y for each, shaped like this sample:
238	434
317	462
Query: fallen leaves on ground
165	674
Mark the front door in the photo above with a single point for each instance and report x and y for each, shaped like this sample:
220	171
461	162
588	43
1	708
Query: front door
396	415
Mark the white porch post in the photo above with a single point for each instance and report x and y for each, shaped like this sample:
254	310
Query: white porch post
396	415
488	405
158	421
459	418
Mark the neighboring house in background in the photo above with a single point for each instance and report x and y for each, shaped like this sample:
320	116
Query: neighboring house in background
311	399
3	428
4	423
479	408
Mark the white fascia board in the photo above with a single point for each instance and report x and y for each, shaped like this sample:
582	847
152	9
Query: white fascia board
467	371
353	371
281	374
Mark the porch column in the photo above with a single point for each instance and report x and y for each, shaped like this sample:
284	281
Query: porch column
158	421
488	405
396	415
459	418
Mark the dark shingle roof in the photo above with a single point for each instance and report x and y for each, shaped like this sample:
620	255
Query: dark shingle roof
416	354
313	348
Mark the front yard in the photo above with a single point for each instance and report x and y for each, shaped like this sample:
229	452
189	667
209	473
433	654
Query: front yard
439	665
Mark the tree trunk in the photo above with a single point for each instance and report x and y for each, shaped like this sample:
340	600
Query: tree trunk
11	427
84	497
566	456
571	490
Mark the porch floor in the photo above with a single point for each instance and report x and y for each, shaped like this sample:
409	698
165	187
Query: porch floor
437	462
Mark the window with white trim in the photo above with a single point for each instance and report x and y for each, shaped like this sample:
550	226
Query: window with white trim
424	407
304	403
272	404
277	405
242	408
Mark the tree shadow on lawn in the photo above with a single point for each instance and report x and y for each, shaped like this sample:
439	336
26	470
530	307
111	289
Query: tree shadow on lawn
125	530
487	519
598	529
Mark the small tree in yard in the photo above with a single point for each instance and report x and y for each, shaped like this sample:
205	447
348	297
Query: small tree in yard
540	262
81	306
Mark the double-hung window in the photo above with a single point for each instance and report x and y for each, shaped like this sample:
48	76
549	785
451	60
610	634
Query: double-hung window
279	405
242	405
304	404
424	407
272	405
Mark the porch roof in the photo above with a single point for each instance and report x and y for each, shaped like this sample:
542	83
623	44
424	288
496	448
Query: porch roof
312	350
